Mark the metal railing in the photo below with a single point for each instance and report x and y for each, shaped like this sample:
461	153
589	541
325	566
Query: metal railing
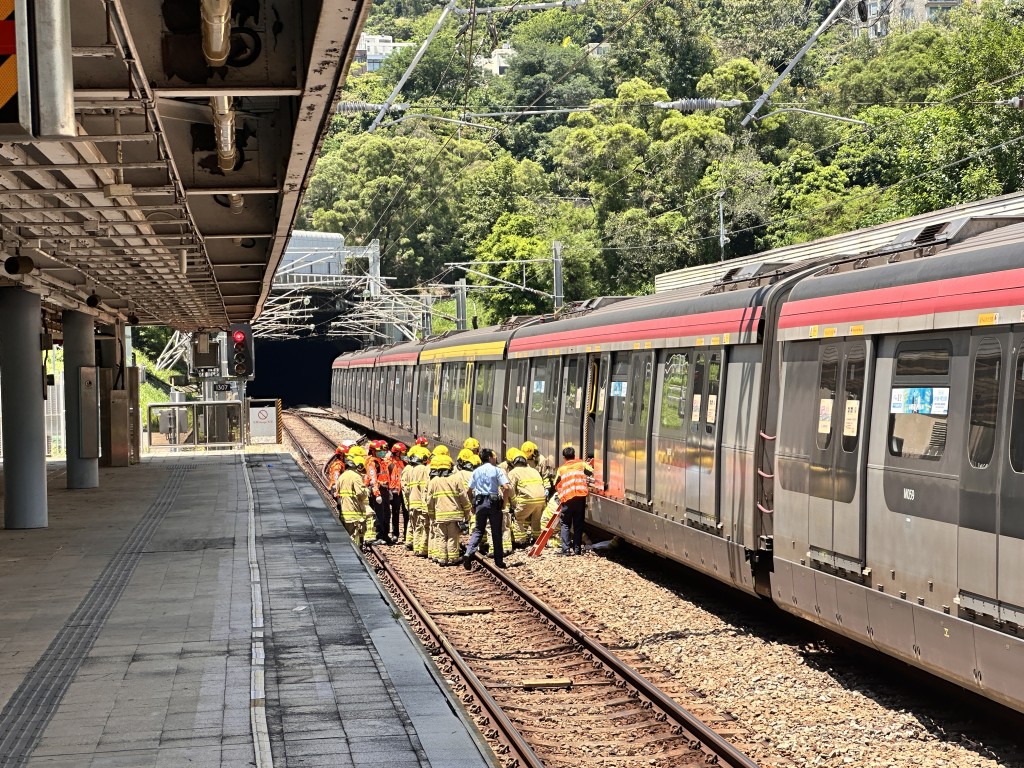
195	424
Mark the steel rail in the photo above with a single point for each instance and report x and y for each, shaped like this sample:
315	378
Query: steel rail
690	723
506	732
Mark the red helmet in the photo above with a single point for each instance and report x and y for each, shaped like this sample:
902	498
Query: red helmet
398	448
422	441
380	445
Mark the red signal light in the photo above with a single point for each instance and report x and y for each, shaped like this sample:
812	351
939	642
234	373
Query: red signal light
238	337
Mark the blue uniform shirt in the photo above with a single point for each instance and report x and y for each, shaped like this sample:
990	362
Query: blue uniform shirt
487	479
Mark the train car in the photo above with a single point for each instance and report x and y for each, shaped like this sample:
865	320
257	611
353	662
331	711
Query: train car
844	437
643	386
463	386
900	456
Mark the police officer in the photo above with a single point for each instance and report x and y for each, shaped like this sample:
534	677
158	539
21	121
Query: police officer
489	488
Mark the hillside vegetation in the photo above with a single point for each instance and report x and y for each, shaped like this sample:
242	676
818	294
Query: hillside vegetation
632	190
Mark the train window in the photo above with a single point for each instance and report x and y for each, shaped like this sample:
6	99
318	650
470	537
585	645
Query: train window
828	379
673	391
1017	417
912	359
460	390
714	379
699	372
426	388
573	388
981	437
618	388
539	388
854	388
484	395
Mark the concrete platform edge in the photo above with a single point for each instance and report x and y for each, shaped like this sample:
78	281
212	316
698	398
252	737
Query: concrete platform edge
353	567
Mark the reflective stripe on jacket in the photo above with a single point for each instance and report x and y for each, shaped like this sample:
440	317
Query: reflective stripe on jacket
376	471
447	499
527	485
418	479
351	491
571	480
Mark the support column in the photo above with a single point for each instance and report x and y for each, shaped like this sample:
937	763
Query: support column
24	428
79	352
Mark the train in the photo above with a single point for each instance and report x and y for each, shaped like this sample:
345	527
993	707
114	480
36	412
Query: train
842	436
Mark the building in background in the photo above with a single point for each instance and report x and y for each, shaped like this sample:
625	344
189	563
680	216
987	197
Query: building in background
883	14
373	49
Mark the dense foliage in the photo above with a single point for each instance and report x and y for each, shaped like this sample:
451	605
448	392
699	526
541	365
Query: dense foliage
632	190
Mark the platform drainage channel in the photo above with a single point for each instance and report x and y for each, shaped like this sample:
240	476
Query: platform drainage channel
33	704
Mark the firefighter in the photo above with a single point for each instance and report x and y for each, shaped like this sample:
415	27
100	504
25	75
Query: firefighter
538	461
472	445
399	512
418	502
380	493
527	498
334	467
572	483
422	441
410	488
359	452
448	504
465	464
350	490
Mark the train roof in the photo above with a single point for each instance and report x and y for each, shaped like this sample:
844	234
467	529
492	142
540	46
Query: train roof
686	317
978	280
477	344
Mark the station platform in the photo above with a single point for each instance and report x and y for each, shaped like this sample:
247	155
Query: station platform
207	610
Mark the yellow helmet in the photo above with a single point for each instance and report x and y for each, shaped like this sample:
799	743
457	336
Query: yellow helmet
359	461
357	450
441	461
471	443
512	454
530	450
474	460
465	455
441	450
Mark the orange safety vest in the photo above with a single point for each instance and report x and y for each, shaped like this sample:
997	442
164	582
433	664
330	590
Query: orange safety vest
395	467
376	474
571	480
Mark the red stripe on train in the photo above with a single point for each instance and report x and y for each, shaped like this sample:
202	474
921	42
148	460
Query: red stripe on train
722	322
993	289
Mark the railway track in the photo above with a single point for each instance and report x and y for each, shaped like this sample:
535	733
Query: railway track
542	691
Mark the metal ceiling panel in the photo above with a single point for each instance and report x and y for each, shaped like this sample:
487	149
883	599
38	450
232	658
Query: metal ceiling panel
198	126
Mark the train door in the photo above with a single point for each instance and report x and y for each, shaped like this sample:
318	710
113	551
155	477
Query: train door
638	427
837	455
700	486
517	397
573	404
981	464
601	421
1011	518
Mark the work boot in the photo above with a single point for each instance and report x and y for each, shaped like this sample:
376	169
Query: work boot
467	563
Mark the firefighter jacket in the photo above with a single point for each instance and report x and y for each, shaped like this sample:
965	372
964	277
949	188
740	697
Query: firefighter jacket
333	468
376	475
351	491
418	479
464	475
395	467
407	471
527	485
447	499
573	480
543	465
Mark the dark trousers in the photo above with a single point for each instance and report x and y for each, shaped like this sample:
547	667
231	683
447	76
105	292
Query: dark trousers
398	510
488	510
574	512
381	513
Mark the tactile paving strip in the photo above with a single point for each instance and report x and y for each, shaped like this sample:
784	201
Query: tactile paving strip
33	704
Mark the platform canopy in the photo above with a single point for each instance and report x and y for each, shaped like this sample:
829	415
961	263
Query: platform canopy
195	127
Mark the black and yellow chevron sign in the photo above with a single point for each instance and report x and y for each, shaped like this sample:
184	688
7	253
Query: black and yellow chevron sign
8	65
